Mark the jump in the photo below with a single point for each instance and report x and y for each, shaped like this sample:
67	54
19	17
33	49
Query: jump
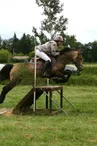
16	74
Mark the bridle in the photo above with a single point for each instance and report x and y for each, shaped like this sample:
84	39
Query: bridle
77	61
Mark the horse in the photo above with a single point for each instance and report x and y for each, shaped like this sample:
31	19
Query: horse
17	75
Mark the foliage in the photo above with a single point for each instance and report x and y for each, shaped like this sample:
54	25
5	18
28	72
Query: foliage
15	60
24	44
53	22
18	54
31	54
5	56
40	36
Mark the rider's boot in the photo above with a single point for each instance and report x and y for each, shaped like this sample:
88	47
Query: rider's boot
47	69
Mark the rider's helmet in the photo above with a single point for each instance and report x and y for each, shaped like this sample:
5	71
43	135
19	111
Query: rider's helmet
58	38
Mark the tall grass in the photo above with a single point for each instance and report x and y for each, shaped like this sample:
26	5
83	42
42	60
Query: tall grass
87	77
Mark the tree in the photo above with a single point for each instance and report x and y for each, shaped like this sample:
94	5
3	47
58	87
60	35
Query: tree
42	38
69	40
94	51
53	22
24	44
0	42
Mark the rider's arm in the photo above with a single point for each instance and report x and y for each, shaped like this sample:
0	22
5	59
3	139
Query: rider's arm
54	49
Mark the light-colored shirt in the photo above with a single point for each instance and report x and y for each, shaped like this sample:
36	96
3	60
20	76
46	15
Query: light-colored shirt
49	48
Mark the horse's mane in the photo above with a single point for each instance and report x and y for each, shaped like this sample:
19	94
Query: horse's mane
66	49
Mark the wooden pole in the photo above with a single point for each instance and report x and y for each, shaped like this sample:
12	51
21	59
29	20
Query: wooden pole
34	107
48	82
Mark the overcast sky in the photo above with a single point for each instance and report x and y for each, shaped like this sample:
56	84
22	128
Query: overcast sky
20	16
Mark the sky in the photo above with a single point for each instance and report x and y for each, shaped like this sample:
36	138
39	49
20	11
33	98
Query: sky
20	16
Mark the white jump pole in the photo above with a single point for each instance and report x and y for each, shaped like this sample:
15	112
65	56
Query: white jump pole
34	107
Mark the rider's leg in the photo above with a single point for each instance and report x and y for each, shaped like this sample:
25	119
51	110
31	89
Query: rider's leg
42	55
47	66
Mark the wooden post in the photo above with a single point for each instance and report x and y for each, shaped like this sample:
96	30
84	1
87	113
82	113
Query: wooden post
34	107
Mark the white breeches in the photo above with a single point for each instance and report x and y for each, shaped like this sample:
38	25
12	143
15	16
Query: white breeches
42	55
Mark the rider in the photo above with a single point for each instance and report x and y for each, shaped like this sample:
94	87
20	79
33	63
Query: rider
46	49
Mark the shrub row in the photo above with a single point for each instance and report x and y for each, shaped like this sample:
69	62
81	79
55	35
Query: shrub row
6	56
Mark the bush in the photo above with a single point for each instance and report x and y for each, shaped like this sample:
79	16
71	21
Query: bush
15	60
31	54
5	56
18	54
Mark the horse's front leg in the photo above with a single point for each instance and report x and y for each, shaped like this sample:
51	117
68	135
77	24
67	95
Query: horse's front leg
61	76
7	88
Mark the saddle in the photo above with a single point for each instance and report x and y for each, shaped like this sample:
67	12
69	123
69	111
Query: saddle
40	63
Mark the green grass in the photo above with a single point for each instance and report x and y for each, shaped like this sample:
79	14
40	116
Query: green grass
74	129
78	128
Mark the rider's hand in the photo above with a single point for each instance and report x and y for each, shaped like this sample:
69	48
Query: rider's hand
57	53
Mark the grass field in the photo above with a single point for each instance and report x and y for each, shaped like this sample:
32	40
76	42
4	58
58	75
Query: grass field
78	128
74	129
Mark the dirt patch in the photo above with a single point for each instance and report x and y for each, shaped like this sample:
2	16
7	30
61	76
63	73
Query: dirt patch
6	112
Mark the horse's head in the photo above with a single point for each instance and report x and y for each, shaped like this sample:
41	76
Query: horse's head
78	61
73	55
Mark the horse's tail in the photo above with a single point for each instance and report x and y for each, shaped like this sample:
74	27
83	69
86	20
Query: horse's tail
5	72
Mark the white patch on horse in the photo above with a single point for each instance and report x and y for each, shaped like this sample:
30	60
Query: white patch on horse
71	67
1	66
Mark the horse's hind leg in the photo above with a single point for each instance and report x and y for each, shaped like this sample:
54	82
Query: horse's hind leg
5	72
7	88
